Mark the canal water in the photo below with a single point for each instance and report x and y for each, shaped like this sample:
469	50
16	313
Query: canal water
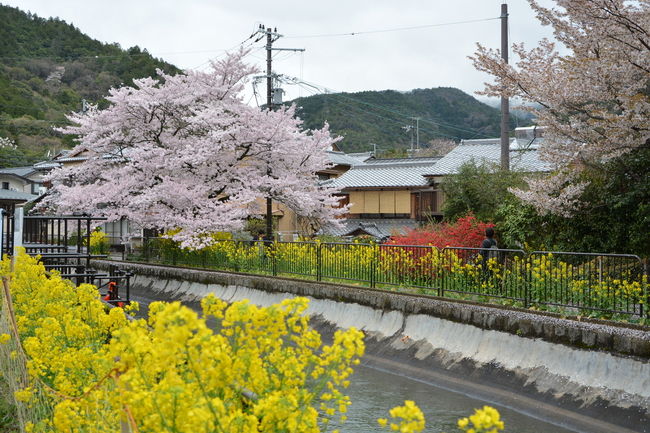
374	392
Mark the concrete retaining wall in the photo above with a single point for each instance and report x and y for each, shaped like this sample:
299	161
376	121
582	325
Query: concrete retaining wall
598	369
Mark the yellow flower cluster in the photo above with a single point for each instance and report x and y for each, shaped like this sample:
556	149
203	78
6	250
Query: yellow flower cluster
541	279
485	420
407	419
589	283
264	369
99	242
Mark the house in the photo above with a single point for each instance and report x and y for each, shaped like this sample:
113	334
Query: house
24	180
18	185
393	195
385	196
289	225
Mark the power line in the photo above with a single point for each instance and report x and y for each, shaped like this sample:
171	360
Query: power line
398	29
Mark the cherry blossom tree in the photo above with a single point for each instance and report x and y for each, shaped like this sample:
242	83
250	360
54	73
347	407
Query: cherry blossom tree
184	152
595	100
7	143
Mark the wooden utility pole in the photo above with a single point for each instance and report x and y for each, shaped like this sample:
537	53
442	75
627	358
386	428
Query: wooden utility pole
505	103
269	106
272	35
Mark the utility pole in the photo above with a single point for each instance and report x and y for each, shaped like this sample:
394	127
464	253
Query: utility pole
269	106
272	35
417	132
409	129
505	103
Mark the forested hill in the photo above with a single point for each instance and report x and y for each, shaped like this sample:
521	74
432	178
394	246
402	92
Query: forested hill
47	67
364	118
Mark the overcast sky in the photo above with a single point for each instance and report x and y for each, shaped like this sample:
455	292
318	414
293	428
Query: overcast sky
188	33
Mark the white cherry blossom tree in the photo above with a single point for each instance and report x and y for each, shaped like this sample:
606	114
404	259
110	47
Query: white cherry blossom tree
185	152
595	100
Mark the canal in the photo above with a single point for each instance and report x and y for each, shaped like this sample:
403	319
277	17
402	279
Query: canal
374	391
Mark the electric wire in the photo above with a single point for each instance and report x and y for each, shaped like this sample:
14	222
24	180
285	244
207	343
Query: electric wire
397	29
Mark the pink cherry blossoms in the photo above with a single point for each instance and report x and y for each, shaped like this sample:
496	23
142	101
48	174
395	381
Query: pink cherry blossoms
6	142
184	152
594	101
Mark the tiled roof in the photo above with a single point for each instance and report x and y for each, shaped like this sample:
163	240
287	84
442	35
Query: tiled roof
481	151
389	174
10	195
71	159
402	161
18	171
379	228
45	165
361	156
340	158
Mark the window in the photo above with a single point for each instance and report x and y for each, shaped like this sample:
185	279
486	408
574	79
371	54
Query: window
424	204
5	185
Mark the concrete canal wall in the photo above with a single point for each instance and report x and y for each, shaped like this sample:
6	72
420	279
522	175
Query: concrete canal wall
595	369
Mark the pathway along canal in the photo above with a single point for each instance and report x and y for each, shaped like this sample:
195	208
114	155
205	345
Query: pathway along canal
374	392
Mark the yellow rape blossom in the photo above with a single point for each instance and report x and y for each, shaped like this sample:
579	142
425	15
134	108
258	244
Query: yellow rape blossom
92	370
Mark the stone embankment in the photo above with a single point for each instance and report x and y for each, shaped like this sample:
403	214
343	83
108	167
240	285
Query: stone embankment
542	363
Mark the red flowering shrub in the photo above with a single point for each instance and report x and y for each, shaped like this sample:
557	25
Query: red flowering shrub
465	232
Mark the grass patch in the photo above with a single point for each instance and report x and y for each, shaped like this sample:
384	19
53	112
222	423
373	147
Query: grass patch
8	414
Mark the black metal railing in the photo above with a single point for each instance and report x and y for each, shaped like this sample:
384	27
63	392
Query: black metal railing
7	229
63	244
612	284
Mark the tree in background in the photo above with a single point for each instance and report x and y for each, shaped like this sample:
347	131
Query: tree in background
613	217
479	188
615	213
10	155
438	147
184	152
483	190
594	101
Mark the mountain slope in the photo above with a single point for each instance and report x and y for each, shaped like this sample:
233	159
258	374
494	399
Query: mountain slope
365	118
47	67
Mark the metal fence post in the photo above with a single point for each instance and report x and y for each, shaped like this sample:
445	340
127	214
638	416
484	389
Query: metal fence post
145	249
373	268
645	293
442	273
439	270
2	233
128	276
274	264
319	262
528	280
18	229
